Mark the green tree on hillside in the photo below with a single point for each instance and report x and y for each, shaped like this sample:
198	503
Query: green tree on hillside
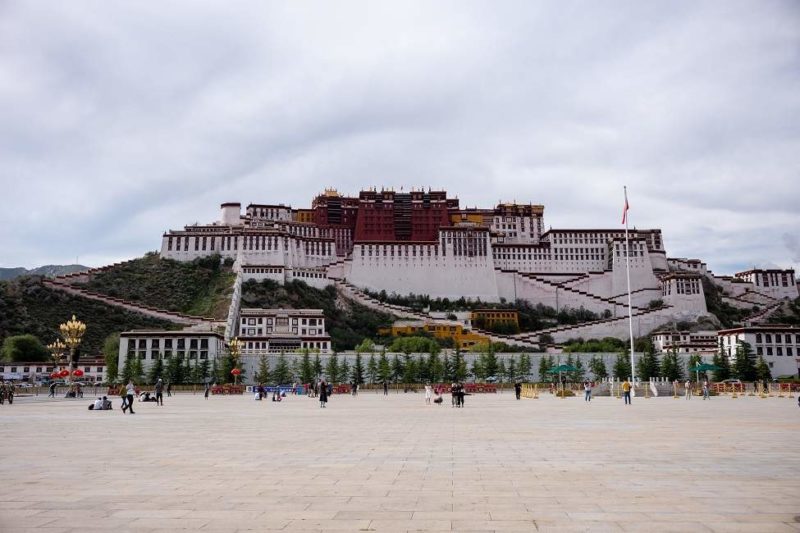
25	348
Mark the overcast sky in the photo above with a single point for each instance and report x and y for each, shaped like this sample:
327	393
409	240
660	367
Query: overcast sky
120	120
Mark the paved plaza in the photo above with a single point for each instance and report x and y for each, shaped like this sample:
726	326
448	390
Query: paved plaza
375	463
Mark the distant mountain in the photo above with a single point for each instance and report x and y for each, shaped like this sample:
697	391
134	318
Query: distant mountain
49	271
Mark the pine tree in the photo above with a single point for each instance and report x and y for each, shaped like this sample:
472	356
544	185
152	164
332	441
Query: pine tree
306	368
332	368
201	371
262	374
477	368
384	370
281	374
372	369
358	371
622	367
598	367
545	364
525	365
489	363
409	369
448	369
511	369
156	370
461	368
186	371
317	366
344	371
136	370
580	372
763	372
647	365
127	369
723	364
672	366
745	365
397	368
501	370
111	356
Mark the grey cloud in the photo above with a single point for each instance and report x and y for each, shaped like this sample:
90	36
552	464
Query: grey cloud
122	120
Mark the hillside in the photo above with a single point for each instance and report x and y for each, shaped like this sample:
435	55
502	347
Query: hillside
201	287
26	306
347	323
50	271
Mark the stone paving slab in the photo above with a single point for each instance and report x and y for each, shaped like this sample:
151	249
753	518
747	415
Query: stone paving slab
375	463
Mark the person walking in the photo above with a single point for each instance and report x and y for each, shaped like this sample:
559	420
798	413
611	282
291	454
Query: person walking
123	394
428	391
626	391
130	392
323	394
688	388
208	389
385	388
159	387
52	390
518	389
587	391
169	389
705	390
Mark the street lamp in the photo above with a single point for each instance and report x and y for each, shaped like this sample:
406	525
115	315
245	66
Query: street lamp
56	351
235	348
72	331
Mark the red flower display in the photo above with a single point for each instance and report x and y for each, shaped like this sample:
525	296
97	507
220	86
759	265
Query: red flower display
236	372
77	373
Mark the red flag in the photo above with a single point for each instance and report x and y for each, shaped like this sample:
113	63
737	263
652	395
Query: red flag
625	210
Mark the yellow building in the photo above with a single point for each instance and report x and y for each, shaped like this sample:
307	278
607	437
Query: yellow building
488	318
462	338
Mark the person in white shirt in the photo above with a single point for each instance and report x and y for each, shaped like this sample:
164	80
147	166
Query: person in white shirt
428	391
130	392
98	404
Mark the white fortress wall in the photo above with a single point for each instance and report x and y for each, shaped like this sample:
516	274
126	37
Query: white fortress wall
422	269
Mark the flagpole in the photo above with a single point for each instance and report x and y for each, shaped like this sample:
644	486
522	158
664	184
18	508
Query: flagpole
628	274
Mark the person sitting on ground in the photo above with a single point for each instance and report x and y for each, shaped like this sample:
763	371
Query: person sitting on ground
106	404
98	404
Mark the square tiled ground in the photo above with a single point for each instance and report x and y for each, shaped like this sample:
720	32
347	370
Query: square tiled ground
376	463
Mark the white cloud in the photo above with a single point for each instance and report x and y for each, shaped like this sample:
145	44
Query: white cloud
121	119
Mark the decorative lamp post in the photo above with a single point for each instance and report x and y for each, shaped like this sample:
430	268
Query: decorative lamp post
72	331
57	354
235	348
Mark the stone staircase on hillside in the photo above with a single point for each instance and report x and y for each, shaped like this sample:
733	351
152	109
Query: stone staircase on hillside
153	312
761	316
351	292
570	290
574	327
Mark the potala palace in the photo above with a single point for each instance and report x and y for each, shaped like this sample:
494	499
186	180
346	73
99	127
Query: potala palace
424	242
